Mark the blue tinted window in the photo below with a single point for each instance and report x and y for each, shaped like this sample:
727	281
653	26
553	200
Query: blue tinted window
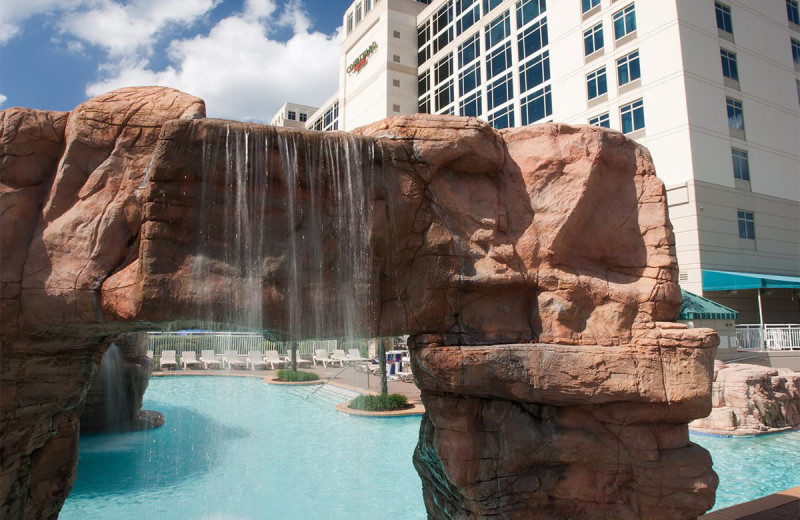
632	116
624	22
535	72
596	84
741	164
536	106
503	118
601	120
498	60
532	39
469	50
498	30
470	106
747	224
729	69
735	114
628	68
500	91
724	21
470	78
528	10
593	39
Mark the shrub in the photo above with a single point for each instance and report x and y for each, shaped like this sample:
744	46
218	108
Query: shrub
379	403
296	375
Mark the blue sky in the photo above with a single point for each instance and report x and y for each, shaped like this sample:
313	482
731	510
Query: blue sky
244	57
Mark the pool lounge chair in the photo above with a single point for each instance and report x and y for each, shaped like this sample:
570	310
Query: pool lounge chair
189	358
231	359
300	361
322	356
354	356
340	357
255	359
207	357
168	359
272	359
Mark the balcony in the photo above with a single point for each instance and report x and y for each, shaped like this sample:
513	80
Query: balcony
770	337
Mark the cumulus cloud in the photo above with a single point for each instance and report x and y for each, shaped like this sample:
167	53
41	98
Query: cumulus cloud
16	12
240	71
3	100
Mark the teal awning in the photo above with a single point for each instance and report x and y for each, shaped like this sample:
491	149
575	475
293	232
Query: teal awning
694	307
731	281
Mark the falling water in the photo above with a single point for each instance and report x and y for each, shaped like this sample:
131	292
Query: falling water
110	405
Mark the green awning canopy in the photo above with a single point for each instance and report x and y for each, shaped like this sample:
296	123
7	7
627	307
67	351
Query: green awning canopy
696	307
731	281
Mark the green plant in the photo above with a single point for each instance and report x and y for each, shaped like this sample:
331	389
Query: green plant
379	403
296	375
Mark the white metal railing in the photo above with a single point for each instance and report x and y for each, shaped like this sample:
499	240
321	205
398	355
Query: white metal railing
219	342
775	336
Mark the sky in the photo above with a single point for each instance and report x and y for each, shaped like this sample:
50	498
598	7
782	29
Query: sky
245	58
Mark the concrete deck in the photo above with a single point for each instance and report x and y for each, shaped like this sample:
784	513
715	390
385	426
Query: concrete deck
784	505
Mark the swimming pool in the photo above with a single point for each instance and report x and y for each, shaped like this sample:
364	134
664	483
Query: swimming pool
234	448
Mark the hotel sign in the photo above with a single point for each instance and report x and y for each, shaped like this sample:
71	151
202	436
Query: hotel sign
359	62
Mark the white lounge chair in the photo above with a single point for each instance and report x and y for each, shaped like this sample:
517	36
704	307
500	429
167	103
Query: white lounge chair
207	357
168	359
300	361
321	355
354	356
272	359
149	354
340	357
189	358
254	359
231	358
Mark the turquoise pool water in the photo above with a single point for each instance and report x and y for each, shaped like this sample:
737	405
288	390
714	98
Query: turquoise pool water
235	449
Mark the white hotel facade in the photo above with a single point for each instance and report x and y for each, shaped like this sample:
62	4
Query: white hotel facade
712	88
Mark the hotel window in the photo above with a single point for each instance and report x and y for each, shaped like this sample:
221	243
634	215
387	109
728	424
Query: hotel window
741	164
488	5
537	106
369	6
602	120
735	114
596	84
442	29
291	114
503	118
349	23
795	51
624	22
632	116
588	5
444	68
792	11
472	13
358	12
499	60
469	79
424	83
303	117
423	39
747	224
729	69
444	95
500	91
532	39
724	20
424	105
535	72
498	30
529	10
628	68
469	50
470	106
593	39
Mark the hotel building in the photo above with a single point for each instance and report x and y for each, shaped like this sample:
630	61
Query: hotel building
712	88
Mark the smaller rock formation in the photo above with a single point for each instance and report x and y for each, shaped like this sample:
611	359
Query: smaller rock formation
751	399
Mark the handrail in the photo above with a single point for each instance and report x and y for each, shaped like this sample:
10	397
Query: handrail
772	336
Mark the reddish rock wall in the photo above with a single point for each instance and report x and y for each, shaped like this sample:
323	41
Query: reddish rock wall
534	267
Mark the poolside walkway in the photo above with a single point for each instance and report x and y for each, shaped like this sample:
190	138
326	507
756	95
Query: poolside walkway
784	505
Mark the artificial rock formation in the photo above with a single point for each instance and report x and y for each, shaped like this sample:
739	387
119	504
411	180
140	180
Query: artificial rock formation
751	399
534	269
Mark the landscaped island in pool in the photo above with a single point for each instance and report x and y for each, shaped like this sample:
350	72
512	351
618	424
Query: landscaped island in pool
236	448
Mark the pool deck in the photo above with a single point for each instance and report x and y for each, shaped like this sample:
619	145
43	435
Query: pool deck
784	505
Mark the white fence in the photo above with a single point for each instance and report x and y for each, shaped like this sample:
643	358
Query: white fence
241	342
775	337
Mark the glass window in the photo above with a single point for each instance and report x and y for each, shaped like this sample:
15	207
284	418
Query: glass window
488	5
792	11
424	83
741	164
424	105
291	114
795	51
596	84
423	55
424	33
628	68
500	91
532	39
469	19
464	5
601	120
724	21
593	39
498	60
632	116
537	106
624	22
535	72
469	78
350	23
444	95
735	114
469	50
747	224
587	5
470	106
498	30
528	10
503	118
442	18
729	69
441	41
444	68
359	13
303	117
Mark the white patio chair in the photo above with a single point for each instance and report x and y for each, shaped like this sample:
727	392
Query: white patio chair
321	355
231	359
340	357
168	359
354	356
272	359
254	359
189	358
207	357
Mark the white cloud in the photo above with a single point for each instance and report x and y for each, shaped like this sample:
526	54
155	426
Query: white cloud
16	12
3	100
238	69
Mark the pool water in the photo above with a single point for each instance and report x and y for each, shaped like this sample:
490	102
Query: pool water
236	448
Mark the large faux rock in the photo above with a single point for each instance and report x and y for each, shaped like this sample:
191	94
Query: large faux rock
534	269
751	399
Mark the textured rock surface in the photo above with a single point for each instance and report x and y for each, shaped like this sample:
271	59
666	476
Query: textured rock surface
750	399
550	240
